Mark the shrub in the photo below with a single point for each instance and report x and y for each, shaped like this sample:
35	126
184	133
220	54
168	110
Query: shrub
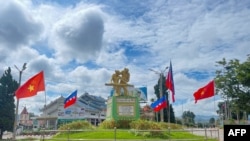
151	126
111	124
76	125
123	124
165	125
108	124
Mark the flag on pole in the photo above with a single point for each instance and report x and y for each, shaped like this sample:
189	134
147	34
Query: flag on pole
159	104
170	82
71	99
204	92
31	87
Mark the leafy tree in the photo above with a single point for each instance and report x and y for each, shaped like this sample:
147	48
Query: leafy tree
7	107
212	122
200	125
221	110
244	73
188	118
243	76
233	83
164	93
178	121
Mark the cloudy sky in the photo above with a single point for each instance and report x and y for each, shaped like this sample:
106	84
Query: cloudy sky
80	43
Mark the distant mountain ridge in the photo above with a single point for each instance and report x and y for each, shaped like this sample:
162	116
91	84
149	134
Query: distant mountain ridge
202	118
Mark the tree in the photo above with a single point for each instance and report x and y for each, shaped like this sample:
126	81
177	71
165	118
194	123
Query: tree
164	93
232	83
212	122
188	118
243	76
7	107
221	110
244	73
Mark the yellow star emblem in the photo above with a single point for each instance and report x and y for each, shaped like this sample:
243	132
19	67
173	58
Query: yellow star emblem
31	88
202	93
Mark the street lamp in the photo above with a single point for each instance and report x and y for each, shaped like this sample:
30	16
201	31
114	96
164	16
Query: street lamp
161	94
17	100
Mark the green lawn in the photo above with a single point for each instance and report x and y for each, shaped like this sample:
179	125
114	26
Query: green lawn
90	133
99	134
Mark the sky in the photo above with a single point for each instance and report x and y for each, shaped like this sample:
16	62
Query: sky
80	43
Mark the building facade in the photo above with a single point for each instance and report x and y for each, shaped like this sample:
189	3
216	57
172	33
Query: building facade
24	119
88	107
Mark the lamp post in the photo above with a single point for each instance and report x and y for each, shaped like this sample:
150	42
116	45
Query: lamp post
17	100
161	93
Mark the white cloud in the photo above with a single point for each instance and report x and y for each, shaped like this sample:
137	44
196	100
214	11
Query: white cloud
79	46
78	35
17	27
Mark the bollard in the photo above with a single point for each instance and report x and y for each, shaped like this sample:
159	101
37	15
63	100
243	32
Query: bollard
211	132
114	133
205	134
169	133
218	130
68	134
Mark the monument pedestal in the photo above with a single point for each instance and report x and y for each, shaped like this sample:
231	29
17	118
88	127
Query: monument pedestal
123	108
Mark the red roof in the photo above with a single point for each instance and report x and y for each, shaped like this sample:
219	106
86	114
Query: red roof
24	111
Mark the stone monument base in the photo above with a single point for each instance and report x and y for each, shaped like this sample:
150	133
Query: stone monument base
123	108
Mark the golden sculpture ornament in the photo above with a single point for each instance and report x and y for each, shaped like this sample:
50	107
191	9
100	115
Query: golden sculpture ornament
119	81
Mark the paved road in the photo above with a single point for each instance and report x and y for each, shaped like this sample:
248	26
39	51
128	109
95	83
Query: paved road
209	132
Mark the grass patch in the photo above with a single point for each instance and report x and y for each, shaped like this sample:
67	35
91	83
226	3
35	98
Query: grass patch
126	135
138	130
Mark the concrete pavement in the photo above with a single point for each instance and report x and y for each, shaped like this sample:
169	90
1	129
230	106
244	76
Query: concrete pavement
209	132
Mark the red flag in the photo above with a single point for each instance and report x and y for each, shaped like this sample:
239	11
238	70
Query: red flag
31	87
159	104
70	100
204	92
170	82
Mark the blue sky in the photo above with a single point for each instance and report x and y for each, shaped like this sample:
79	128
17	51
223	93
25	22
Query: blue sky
80	43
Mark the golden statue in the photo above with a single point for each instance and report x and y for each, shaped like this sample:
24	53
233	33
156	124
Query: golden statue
124	80
115	80
119	80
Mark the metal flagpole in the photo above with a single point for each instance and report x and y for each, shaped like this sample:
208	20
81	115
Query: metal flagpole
45	114
161	111
182	114
45	110
156	113
75	111
168	110
214	110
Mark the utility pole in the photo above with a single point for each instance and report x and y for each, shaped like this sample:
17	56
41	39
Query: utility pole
161	90
17	100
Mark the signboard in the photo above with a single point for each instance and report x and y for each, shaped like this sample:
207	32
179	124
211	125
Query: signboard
123	108
140	92
126	110
71	113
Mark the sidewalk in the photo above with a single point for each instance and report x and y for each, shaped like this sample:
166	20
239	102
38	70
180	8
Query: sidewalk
210	133
8	135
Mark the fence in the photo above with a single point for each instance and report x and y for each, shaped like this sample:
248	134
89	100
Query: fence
141	135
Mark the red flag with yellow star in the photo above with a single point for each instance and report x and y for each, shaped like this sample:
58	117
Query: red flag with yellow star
205	92
31	87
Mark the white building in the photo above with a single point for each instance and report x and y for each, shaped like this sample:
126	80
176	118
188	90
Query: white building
88	107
